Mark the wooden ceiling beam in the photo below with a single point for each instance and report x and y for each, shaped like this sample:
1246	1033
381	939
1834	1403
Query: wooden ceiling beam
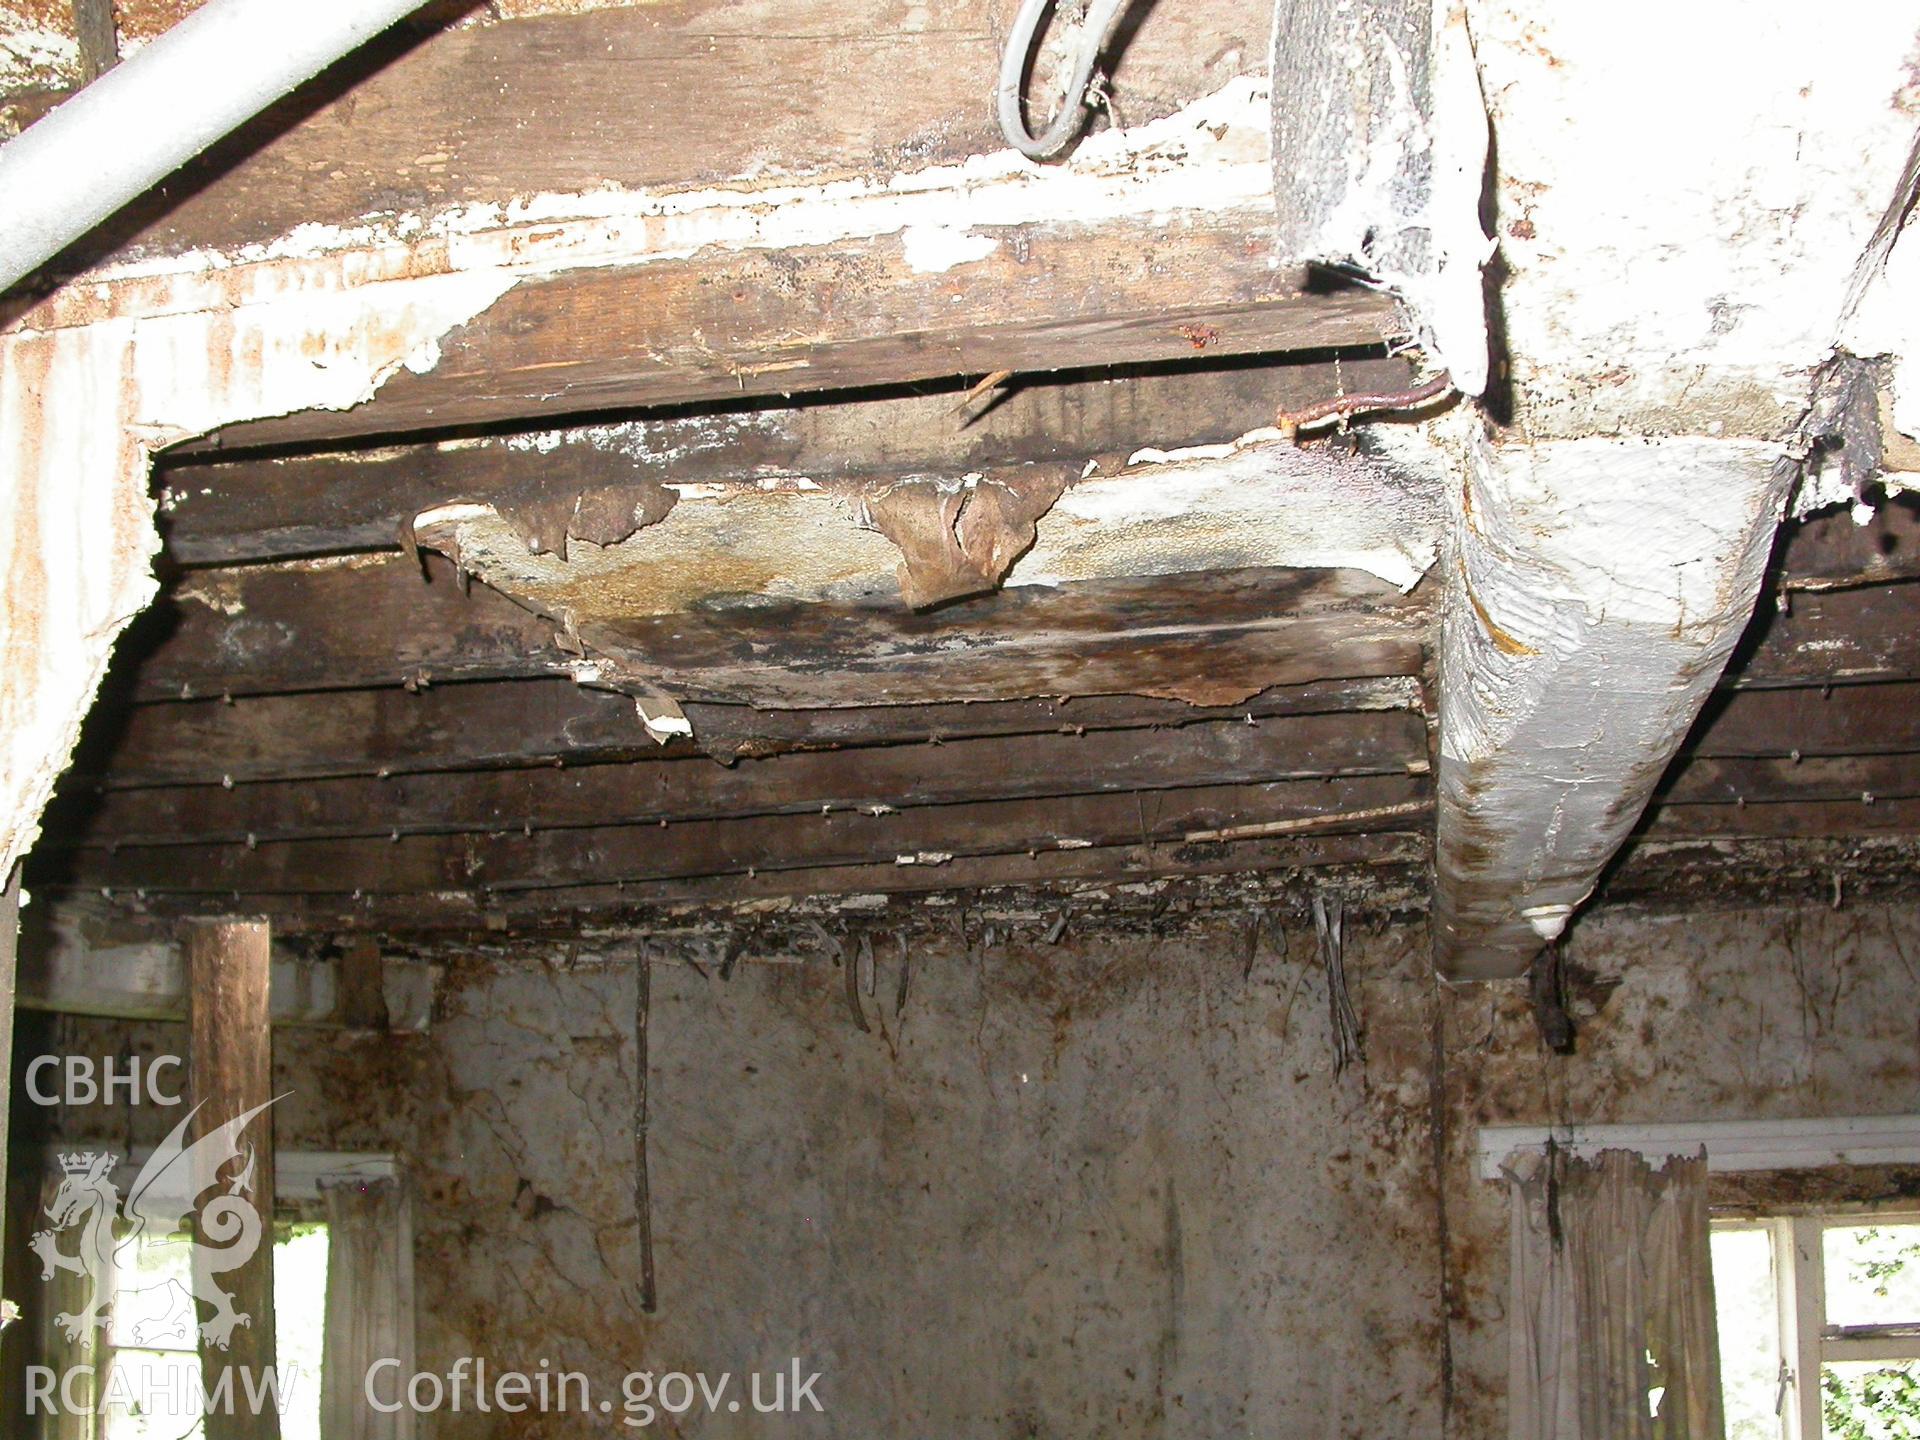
1212	639
875	779
1863	719
727	326
1065	879
666	96
278	507
931	836
509	724
1858	779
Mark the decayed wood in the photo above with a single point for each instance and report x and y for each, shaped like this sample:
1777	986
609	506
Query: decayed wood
372	622
930	836
874	779
721	326
279	507
228	965
483	725
1796	818
1400	856
1207	638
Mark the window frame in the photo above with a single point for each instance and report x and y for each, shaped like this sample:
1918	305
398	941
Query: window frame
289	1220
1807	1341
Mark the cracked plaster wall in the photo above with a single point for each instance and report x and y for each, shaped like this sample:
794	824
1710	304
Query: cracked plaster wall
1107	1186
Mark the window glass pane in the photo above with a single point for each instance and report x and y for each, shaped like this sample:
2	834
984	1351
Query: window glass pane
299	1318
153	1297
1749	1324
154	1385
152	1395
1871	1400
1873	1274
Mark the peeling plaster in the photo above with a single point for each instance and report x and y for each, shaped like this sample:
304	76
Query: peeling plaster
934	250
1681	220
81	412
140	354
1239	504
38	49
1887	323
1682	224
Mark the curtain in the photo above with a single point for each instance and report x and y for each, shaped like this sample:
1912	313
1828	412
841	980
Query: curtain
1611	1327
369	1308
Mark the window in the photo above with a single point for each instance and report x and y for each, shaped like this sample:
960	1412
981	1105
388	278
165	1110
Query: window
152	1339
1819	1321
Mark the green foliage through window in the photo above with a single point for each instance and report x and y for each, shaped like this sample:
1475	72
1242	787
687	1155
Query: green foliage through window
1881	1403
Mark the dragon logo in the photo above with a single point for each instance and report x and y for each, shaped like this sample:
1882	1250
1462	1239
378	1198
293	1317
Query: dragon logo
224	1235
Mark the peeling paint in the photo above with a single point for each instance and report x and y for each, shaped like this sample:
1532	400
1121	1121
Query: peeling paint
82	409
1209	157
934	250
144	353
38	48
1659	215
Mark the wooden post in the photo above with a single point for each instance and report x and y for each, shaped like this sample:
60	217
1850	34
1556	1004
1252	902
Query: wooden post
231	1056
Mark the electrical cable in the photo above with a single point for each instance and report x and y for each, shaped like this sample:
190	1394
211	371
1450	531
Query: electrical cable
1102	17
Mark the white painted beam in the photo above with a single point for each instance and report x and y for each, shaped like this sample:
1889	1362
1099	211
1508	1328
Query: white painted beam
1679	242
299	1175
1598	588
1731	1145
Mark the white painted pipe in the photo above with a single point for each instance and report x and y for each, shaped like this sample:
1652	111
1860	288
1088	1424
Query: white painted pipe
146	118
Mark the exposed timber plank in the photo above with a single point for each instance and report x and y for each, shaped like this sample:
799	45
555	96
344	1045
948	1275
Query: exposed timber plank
1830	552
672	94
818	266
1072	877
275	507
364	622
1787	819
1832	637
726	325
483	726
929	836
1741	781
876	780
1211	639
1813	720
